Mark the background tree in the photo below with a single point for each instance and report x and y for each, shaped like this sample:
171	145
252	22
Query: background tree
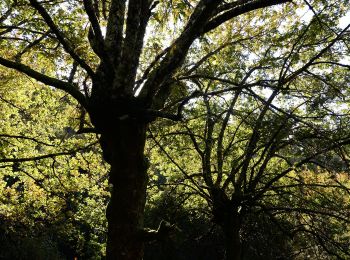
261	118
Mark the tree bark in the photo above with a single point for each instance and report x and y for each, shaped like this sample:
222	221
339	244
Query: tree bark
226	214
233	245
123	148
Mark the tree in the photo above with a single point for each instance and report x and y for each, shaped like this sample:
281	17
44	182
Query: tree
248	145
96	54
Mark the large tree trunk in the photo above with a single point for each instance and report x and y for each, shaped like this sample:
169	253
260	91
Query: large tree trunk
123	147
226	215
233	245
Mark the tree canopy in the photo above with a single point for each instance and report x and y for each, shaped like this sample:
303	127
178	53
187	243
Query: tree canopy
240	107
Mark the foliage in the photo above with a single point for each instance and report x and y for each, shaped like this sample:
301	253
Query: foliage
53	199
257	94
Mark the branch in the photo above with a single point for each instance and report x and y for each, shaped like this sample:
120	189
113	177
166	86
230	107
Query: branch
213	78
41	157
332	63
178	50
31	45
69	88
7	13
93	20
219	147
305	210
194	141
164	230
238	10
26	138
148	69
60	37
210	54
175	117
95	34
253	141
34	158
208	144
114	30
314	58
199	189
269	184
138	16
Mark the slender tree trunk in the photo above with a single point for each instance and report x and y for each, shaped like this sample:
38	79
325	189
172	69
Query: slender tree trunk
232	238
123	148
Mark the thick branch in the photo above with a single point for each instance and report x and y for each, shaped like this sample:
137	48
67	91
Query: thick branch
69	88
114	31
178	51
254	139
138	16
238	10
95	35
198	24
93	20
